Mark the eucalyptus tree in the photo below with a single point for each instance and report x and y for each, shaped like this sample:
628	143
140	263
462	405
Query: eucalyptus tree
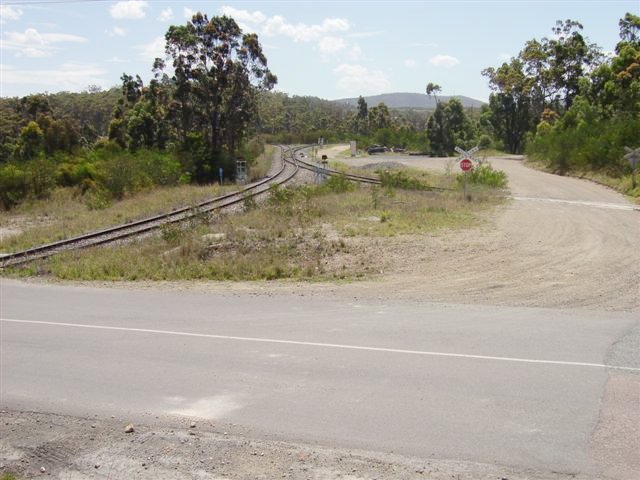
510	111
433	89
217	71
361	120
449	126
379	117
604	115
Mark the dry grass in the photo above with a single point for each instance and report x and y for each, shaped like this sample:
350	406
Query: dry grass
306	233
263	163
65	214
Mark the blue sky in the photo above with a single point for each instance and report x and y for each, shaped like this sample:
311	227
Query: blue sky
328	49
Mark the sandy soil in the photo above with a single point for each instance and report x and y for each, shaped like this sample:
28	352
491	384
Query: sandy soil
559	242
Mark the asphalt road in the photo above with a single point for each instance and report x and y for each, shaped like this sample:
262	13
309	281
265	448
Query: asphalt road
522	387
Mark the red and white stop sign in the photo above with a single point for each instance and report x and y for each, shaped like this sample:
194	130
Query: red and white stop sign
466	165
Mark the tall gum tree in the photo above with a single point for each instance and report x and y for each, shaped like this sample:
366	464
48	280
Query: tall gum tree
217	73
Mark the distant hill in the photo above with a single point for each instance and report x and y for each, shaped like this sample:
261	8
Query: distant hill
410	100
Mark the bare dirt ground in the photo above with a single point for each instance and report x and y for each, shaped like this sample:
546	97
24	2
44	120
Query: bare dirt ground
559	242
39	445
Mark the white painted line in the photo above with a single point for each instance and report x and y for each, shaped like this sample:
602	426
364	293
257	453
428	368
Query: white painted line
611	206
322	345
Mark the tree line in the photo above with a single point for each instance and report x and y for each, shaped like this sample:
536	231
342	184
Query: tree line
561	100
565	102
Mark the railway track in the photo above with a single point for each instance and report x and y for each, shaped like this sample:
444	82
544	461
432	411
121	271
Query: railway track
288	170
334	173
354	178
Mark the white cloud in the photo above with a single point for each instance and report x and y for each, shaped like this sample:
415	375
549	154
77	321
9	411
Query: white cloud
117	59
358	79
355	53
243	15
166	15
32	52
152	50
117	32
446	61
328	45
365	34
410	63
31	36
424	45
277	25
9	12
131	9
69	76
32	43
302	32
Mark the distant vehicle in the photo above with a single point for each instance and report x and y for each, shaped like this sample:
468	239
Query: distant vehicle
376	149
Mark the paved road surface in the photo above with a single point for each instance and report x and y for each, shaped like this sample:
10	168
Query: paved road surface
104	351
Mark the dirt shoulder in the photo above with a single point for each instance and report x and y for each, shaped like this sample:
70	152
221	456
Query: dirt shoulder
39	445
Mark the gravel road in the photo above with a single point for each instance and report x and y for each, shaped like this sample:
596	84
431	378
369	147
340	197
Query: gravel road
559	242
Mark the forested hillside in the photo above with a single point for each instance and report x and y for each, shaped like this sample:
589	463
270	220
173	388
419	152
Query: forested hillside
411	100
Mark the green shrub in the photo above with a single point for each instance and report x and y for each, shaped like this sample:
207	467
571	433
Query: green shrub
400	179
14	185
69	174
42	178
249	202
338	184
97	198
161	167
172	233
577	144
280	196
484	141
484	175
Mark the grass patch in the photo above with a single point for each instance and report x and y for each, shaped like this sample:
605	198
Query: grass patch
399	177
65	214
308	232
484	153
262	164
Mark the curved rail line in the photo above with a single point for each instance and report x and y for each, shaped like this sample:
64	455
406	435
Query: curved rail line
139	227
335	173
349	176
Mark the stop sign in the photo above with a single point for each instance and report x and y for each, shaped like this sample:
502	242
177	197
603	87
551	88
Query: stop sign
466	165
